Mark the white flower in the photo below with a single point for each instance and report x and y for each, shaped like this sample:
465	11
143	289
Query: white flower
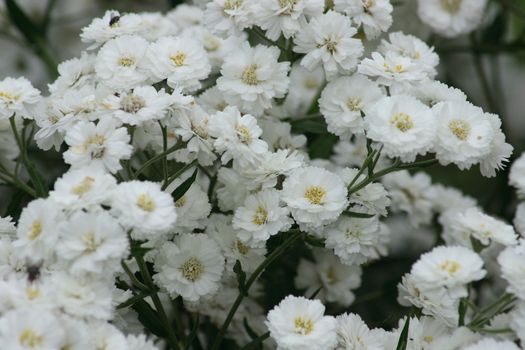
517	175
286	17
31	329
120	62
327	39
92	242
491	344
315	196
192	208
436	301
357	240
110	26
74	74
374	15
344	100
36	232
83	296
236	136
221	230
142	104
233	189
464	133
413	48
353	333
299	323
519	219
452	18
448	266
424	332
460	227
373	198
17	96
228	17
7	226
405	126
265	174
410	194
83	188
193	128
335	280
182	61
500	151
392	69
260	217
191	266
511	261
251	77
430	92
518	320
143	207
102	145
140	342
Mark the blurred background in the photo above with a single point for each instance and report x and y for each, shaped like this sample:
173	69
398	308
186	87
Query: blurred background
488	65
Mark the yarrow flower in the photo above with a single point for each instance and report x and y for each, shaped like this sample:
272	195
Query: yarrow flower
300	323
327	39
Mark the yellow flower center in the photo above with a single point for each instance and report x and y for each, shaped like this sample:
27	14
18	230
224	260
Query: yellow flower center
310	84
84	186
402	121
303	326
232	4
126	61
146	203
30	339
260	216
428	338
450	266
244	134
178	59
330	45
192	269
460	128
315	194
331	275
90	242
7	97
181	201
249	75
98	142
132	103
35	230
451	6
354	104
242	248
32	293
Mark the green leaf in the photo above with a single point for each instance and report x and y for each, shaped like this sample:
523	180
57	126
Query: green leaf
462	310
314	294
354	214
314	241
314	126
403	338
193	334
477	246
185	186
249	330
241	277
148	317
133	300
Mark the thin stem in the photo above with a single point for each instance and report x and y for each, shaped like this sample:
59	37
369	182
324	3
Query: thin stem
158	157
172	338
478	63
164	149
256	341
36	179
293	236
177	174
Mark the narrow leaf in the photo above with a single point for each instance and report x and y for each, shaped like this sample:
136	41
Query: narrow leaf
185	186
241	277
403	338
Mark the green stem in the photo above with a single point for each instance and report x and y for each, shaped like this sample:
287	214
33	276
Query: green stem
158	157
293	236
172	338
256	341
164	149
36	179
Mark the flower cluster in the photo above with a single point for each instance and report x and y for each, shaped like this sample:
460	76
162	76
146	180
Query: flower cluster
189	173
